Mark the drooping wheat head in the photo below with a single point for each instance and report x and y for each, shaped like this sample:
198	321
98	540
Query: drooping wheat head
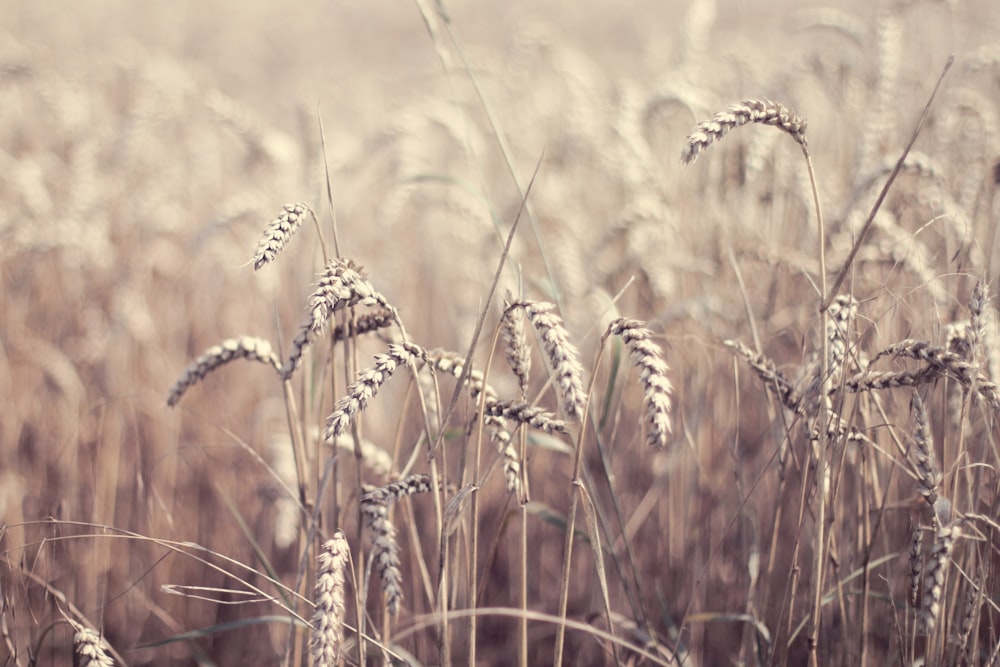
563	357
761	111
342	285
648	358
367	385
244	347
516	349
375	503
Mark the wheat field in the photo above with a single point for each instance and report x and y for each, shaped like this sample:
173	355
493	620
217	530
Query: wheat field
445	333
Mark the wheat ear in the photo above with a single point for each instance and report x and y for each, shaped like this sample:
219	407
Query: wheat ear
90	646
516	349
937	567
341	285
562	355
928	475
648	358
367	385
279	231
375	504
764	112
331	610
244	347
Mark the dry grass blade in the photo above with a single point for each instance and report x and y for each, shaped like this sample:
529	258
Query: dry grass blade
244	347
367	385
648	358
331	610
279	231
761	111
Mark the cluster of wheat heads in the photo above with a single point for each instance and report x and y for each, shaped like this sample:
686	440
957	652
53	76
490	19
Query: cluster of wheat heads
328	494
840	431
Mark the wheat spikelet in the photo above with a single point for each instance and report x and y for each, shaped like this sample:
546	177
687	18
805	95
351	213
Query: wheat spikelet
562	355
937	568
532	415
367	385
375	504
244	347
279	231
648	358
90	647
928	475
762	111
516	349
328	619
342	285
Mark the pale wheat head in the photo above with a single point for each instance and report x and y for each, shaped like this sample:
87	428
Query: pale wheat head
765	112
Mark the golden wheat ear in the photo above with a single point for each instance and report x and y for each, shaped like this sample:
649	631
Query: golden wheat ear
764	112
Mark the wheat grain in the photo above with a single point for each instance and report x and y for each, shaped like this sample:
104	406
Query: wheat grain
563	356
367	385
761	111
279	232
244	347
331	611
648	358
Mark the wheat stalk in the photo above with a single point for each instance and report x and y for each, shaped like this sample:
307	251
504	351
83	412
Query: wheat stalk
331	610
761	111
648	358
244	347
